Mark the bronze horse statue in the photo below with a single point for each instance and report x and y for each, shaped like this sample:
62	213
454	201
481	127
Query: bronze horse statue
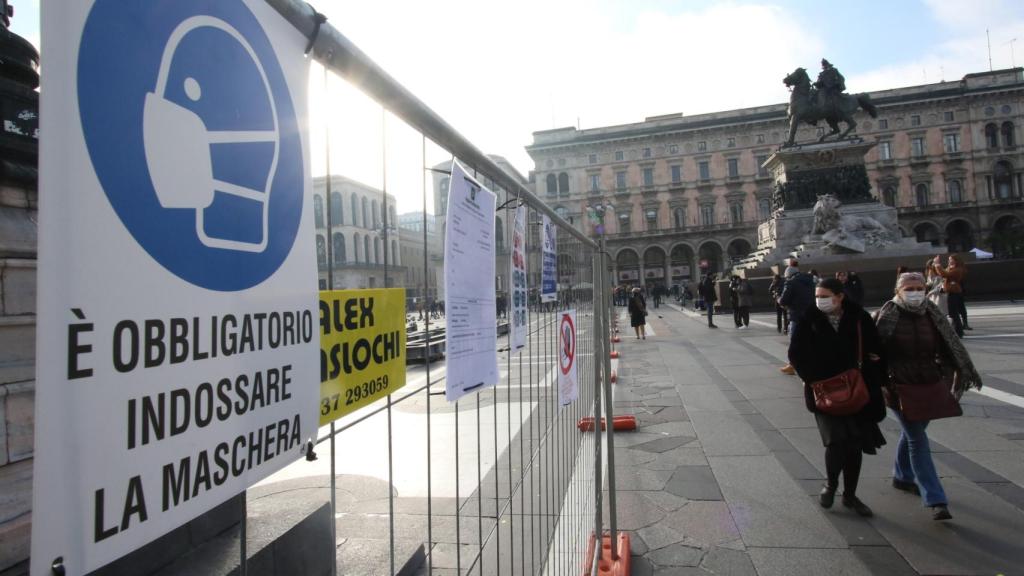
805	106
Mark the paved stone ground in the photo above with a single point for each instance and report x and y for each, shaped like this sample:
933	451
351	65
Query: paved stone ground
722	474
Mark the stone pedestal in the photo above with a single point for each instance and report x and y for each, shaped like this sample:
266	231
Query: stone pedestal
867	236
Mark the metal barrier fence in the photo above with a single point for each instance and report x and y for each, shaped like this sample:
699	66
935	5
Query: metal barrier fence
503	481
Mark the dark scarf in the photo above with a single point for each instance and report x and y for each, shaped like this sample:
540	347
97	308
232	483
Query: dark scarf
966	376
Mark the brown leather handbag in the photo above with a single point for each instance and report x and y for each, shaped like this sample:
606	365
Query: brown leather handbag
845	393
924	402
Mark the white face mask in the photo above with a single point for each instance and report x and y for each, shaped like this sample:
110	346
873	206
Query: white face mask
825	304
914	299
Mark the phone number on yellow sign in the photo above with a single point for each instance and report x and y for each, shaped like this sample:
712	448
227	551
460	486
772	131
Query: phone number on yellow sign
353	395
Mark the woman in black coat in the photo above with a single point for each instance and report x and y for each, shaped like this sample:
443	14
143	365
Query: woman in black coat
638	313
822	346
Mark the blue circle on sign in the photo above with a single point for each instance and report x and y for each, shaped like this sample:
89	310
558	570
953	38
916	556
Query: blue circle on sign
192	133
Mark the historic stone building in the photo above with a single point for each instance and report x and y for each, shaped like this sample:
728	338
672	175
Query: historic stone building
423	261
676	194
362	234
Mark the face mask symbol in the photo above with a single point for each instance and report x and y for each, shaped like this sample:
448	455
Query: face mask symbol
178	154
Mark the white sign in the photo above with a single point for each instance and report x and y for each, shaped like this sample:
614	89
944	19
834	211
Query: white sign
177	343
517	340
471	337
629	274
654	273
680	271
568	389
549	261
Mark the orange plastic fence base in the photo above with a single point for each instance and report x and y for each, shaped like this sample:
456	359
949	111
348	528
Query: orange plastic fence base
615	377
619	423
606	566
614	354
616	339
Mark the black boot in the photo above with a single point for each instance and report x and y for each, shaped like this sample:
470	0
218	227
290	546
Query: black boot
827	496
851	501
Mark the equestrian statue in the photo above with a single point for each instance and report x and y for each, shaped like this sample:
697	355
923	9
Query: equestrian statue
824	100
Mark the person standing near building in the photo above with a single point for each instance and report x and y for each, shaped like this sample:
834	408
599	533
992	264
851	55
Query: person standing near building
832	337
933	287
953	285
638	313
734	300
929	370
798	297
707	292
781	312
745	299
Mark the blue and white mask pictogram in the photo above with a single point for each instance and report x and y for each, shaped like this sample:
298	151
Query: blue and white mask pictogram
207	149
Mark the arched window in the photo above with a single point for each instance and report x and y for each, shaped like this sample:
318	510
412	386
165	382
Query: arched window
376	251
991	136
889	196
366	249
337	214
764	209
1007	130
318	211
651	216
376	215
1002	176
679	218
921	194
552	184
355	210
366	213
563	183
321	251
624	223
954	191
359	256
736	212
339	248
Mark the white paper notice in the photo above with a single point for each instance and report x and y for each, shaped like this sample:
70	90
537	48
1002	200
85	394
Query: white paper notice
549	260
568	388
518	275
471	334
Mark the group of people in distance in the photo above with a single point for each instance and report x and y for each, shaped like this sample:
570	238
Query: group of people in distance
909	355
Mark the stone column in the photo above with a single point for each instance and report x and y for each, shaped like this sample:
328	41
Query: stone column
19	104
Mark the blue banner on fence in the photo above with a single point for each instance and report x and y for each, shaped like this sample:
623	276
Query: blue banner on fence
548	277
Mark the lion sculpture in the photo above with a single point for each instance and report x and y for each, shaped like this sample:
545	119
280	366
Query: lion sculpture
846	231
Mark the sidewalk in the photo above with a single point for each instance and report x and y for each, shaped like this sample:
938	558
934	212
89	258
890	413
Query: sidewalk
721	476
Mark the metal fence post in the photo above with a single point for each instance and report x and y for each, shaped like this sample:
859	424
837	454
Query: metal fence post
608	409
599	377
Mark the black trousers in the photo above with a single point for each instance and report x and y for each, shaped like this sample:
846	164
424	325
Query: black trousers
957	312
711	312
844	457
782	318
744	314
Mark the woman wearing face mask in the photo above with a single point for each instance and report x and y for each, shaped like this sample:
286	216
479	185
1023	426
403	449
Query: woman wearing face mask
929	369
827	343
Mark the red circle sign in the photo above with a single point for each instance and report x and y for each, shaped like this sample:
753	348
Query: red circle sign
567	337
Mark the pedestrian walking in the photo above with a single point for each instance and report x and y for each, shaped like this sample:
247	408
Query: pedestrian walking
953	285
933	288
781	312
834	336
798	297
638	313
745	299
929	370
707	292
852	286
734	300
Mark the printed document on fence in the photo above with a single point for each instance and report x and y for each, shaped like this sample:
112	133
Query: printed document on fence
471	342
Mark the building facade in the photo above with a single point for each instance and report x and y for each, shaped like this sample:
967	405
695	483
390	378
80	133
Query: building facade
675	195
422	254
357	239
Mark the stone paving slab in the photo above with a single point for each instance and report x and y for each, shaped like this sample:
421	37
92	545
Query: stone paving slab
724	471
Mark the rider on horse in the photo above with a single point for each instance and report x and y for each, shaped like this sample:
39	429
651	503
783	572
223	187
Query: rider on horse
830	85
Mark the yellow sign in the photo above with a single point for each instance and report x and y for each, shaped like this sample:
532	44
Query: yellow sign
362	348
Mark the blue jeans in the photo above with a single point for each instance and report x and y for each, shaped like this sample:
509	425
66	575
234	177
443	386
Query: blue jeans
914	462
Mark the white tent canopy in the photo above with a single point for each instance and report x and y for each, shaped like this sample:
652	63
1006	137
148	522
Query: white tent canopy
981	254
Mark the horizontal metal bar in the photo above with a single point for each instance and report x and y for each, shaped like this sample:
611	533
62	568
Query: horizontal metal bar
336	52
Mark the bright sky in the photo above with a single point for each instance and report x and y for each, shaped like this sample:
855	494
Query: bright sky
499	71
